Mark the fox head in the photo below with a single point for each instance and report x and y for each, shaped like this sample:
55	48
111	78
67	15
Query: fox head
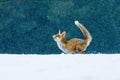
59	36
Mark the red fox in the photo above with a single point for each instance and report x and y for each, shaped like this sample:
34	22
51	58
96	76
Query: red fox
75	44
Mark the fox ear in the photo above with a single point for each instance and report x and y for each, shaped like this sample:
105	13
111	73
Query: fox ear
59	31
64	33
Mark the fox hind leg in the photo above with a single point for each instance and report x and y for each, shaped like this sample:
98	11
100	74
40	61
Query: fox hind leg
80	49
81	52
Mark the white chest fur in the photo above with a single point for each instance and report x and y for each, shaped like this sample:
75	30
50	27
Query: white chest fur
62	47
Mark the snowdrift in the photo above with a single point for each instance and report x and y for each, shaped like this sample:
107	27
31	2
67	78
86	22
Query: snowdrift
60	67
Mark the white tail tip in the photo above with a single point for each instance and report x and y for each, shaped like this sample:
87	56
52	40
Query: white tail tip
76	22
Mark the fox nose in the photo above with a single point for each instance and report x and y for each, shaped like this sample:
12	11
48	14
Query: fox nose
53	36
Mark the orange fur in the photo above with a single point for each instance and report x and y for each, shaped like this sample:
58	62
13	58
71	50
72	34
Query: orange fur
74	44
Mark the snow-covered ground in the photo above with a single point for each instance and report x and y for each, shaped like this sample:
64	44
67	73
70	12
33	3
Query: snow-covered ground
60	67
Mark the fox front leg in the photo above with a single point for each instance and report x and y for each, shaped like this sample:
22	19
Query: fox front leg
71	52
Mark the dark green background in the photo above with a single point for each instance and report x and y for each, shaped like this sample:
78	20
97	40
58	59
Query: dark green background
27	26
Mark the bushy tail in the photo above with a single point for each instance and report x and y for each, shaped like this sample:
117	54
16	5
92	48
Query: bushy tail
85	32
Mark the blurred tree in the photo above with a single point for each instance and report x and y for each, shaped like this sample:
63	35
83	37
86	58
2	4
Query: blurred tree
27	26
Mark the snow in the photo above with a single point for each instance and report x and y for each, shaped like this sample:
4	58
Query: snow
60	67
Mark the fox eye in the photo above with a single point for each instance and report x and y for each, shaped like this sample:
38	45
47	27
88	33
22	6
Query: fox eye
57	36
